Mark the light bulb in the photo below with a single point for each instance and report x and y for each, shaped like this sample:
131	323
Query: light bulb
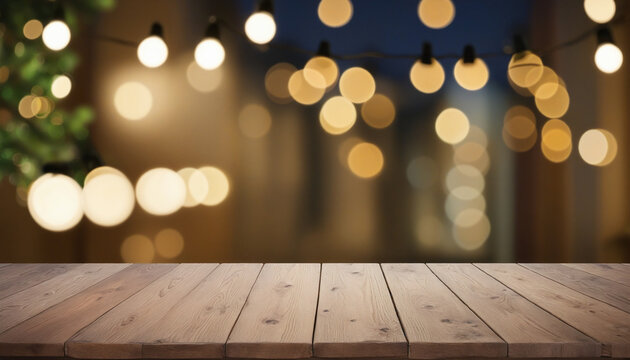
108	197
161	191
600	11
209	54
471	72
54	202
152	51
260	27
56	35
427	74
608	58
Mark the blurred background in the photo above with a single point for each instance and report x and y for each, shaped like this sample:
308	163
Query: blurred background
287	176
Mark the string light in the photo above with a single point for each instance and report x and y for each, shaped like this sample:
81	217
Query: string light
525	68
322	65
209	53
260	27
600	11
357	85
471	72
337	115
152	51
160	191
56	34
427	74
608	57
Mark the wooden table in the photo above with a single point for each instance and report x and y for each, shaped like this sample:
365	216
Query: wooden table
293	311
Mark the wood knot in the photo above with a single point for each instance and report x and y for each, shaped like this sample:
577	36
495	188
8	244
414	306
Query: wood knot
334	288
384	329
325	310
448	321
356	273
428	307
353	320
270	321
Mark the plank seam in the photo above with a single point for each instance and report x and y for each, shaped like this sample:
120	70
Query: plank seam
319	289
543	309
402	327
576	290
507	344
241	311
599	276
65	344
72	266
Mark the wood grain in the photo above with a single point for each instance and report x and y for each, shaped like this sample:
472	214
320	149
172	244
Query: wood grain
17	277
528	330
46	333
607	324
199	325
615	272
277	320
23	305
597	287
115	335
437	324
356	316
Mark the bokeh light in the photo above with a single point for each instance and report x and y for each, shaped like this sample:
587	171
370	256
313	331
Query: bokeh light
277	82
525	69
454	206
608	58
334	13
519	128
108	197
203	80
556	142
137	249
436	14
597	147
337	115
152	51
61	86
452	126
357	85
465	182
547	84
427	78
324	66
471	76
260	27
365	160
600	11
429	231
302	91
379	112
169	243
33	29
196	186
254	121
54	202
218	185
209	54
160	191
133	100
474	236
56	35
554	106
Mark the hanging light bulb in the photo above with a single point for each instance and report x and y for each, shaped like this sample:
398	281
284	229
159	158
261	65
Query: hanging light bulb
525	68
56	34
471	72
600	11
427	75
608	57
209	53
321	66
260	27
152	51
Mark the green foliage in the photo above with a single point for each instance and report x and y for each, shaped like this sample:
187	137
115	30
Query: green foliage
27	67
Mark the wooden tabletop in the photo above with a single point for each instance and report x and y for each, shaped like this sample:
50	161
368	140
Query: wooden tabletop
298	311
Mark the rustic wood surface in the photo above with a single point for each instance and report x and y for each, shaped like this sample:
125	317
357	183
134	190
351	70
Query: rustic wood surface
327	311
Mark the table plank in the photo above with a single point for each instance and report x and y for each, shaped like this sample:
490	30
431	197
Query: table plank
615	272
437	324
356	316
199	325
46	333
608	291
528	330
114	335
17	277
607	324
277	320
23	305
